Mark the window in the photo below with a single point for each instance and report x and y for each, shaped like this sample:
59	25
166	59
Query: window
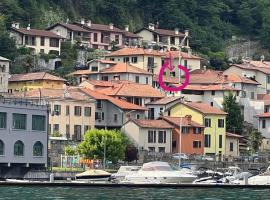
33	41
137	116
138	101
99	104
57	109
126	59
78	132
42	41
196	130
18	148
38	149
150	62
220	141
263	123
86	128
231	146
244	94
2	148
212	104
220	123
252	95
87	111
151	149
184	130
56	128
38	122
67	110
3	120
161	149
19	121
172	40
161	136
185	63
172	74
117	39
151	136
197	144
67	130
54	42
134	59
94	68
95	37
115	117
268	79
207	140
137	79
50	129
213	92
207	122
105	78
146	80
77	110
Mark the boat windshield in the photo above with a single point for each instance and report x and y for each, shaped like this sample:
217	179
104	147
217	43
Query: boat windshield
156	166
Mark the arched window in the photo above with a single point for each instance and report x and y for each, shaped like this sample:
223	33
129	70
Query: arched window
2	148
38	149
18	148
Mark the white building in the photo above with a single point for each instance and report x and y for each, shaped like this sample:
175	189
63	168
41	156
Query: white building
4	74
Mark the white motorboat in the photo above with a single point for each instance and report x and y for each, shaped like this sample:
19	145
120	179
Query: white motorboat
261	179
93	175
123	171
158	173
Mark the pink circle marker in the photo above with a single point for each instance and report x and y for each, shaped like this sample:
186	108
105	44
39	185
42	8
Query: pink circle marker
170	67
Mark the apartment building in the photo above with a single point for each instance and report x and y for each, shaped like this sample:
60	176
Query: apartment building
4	74
23	134
40	41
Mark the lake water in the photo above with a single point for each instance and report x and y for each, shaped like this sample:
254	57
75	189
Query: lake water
69	193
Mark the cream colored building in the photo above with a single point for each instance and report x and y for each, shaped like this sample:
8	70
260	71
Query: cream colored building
71	113
150	135
4	74
40	41
232	145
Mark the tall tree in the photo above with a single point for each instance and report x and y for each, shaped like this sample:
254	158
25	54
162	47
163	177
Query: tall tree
234	119
255	139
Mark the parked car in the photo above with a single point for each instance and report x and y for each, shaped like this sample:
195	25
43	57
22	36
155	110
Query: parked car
180	155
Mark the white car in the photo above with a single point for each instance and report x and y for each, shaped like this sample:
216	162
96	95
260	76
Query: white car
180	155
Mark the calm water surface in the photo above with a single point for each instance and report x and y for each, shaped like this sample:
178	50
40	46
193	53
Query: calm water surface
39	193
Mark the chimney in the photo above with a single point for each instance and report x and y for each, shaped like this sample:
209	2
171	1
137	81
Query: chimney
82	21
67	20
28	27
89	23
262	58
188	117
151	26
204	68
187	33
111	26
176	30
127	28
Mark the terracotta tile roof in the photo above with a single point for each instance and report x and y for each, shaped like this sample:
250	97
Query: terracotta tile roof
264	97
72	27
166	79
34	76
82	72
124	68
184	55
134	51
205	108
217	87
234	78
264	115
163	32
99	83
157	124
107	61
4	59
36	32
263	67
125	88
185	121
118	102
233	135
164	101
68	93
130	35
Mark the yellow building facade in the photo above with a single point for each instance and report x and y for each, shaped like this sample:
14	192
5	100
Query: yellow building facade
30	81
214	121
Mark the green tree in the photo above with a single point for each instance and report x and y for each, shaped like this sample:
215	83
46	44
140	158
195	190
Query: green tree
95	140
234	119
7	46
255	139
69	150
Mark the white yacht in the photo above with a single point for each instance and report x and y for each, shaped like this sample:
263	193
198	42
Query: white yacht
158	173
123	171
261	179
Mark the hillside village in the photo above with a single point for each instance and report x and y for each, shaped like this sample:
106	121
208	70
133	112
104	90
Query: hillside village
120	90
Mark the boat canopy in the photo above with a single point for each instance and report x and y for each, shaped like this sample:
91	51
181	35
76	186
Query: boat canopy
156	166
